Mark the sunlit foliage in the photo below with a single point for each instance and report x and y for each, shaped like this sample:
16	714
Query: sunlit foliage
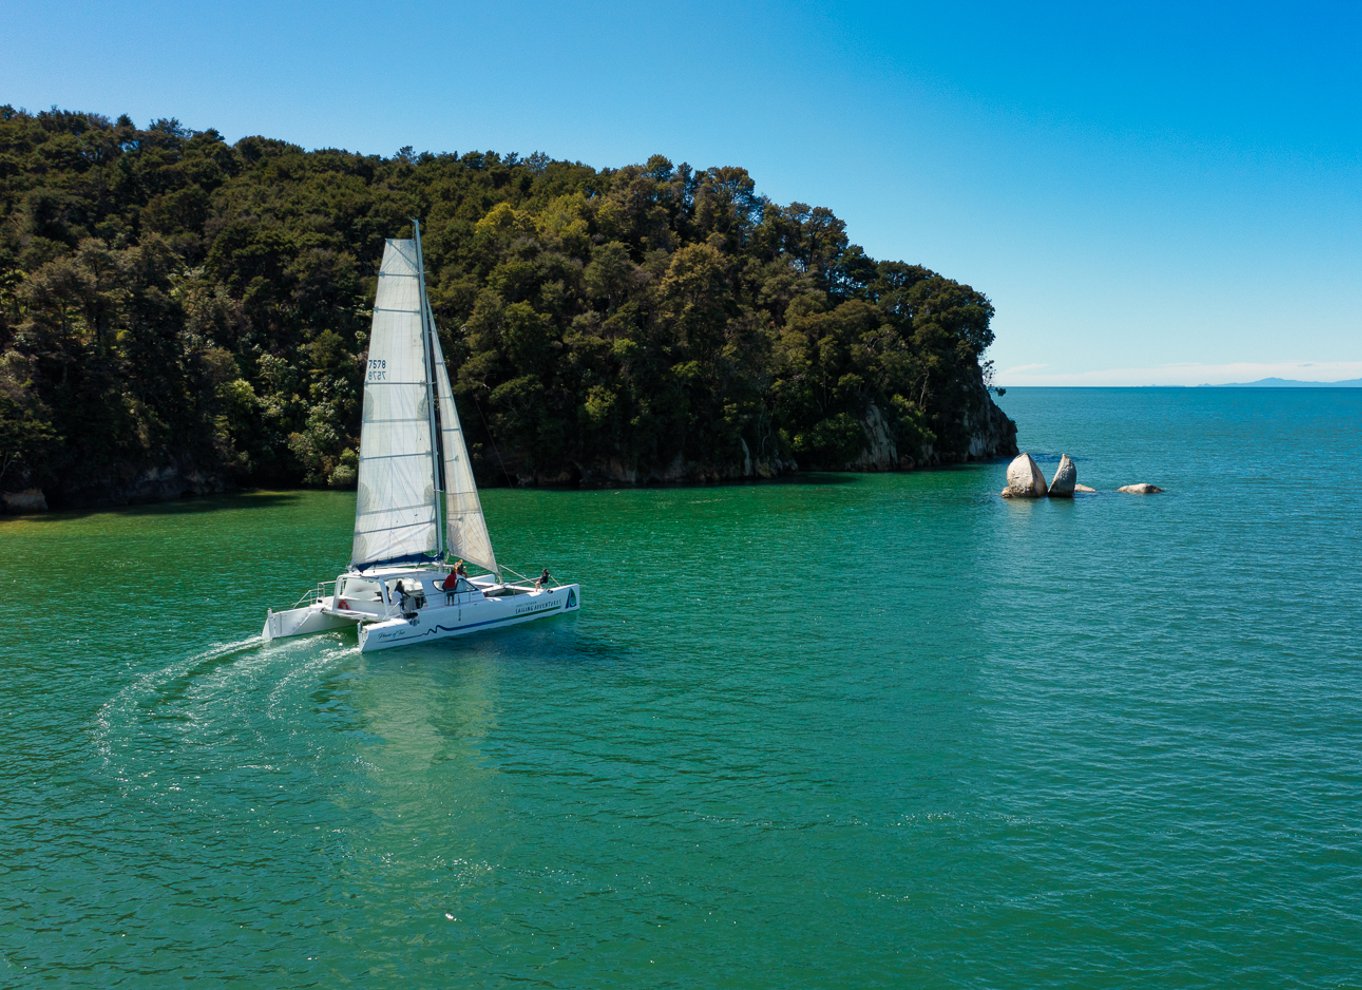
168	300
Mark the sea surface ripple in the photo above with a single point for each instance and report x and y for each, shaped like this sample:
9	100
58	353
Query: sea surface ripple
846	731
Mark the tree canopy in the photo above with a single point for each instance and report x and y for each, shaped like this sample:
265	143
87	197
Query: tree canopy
169	300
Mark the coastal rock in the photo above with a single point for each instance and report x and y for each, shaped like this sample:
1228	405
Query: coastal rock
127	484
991	433
880	452
1085	489
1066	477
28	500
1024	478
1143	488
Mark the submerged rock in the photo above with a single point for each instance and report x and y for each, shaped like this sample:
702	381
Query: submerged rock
1066	477
1143	488
1085	489
1024	478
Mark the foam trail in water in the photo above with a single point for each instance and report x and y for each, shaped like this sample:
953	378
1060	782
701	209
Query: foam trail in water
307	668
118	709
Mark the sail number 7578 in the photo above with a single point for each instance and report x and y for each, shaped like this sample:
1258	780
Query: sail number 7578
378	370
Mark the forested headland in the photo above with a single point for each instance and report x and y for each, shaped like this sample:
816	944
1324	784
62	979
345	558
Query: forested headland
183	315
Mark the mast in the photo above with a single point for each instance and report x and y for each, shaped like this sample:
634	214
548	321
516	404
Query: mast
427	354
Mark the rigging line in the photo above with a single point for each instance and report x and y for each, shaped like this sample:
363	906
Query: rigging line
394	529
389	457
394	508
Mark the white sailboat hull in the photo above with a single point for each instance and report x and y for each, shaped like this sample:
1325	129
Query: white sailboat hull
475	613
426	614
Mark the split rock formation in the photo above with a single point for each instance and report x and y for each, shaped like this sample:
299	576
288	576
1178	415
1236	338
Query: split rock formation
1024	478
1062	485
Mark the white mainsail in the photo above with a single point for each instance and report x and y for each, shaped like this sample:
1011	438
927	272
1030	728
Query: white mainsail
465	526
395	507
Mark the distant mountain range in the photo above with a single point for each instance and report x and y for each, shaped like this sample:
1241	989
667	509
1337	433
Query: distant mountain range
1288	383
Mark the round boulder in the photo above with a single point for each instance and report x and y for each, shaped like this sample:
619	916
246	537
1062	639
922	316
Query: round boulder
1143	488
1024	478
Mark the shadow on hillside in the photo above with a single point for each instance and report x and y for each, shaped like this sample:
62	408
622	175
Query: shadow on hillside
175	507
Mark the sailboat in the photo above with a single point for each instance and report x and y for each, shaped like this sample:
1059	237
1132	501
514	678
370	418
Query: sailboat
417	505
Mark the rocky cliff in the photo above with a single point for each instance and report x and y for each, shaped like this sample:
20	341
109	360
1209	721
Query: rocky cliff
983	432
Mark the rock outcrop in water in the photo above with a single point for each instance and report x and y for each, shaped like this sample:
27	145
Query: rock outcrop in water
1066	477
1024	478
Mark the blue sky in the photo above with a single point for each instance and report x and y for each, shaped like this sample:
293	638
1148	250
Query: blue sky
1149	193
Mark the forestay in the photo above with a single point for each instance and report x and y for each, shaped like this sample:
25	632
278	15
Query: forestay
395	510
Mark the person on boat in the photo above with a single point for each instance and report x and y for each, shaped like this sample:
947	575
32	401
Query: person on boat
451	580
543	581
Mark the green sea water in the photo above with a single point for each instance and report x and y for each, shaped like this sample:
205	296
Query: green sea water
846	731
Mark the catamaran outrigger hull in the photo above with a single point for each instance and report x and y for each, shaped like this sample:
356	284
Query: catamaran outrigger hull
303	622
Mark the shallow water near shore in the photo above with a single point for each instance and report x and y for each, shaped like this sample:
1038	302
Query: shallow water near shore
843	731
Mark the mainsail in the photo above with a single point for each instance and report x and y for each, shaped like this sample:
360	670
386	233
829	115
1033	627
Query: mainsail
396	517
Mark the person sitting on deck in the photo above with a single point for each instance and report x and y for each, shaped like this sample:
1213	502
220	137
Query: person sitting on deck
543	581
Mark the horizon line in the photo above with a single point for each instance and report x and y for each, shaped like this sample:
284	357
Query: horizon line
1348	383
1188	374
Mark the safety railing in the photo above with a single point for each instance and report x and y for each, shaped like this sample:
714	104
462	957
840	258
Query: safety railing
323	591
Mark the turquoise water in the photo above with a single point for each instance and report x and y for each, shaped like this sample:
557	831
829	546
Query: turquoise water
850	731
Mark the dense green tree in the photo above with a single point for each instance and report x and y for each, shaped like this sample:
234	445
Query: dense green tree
172	301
